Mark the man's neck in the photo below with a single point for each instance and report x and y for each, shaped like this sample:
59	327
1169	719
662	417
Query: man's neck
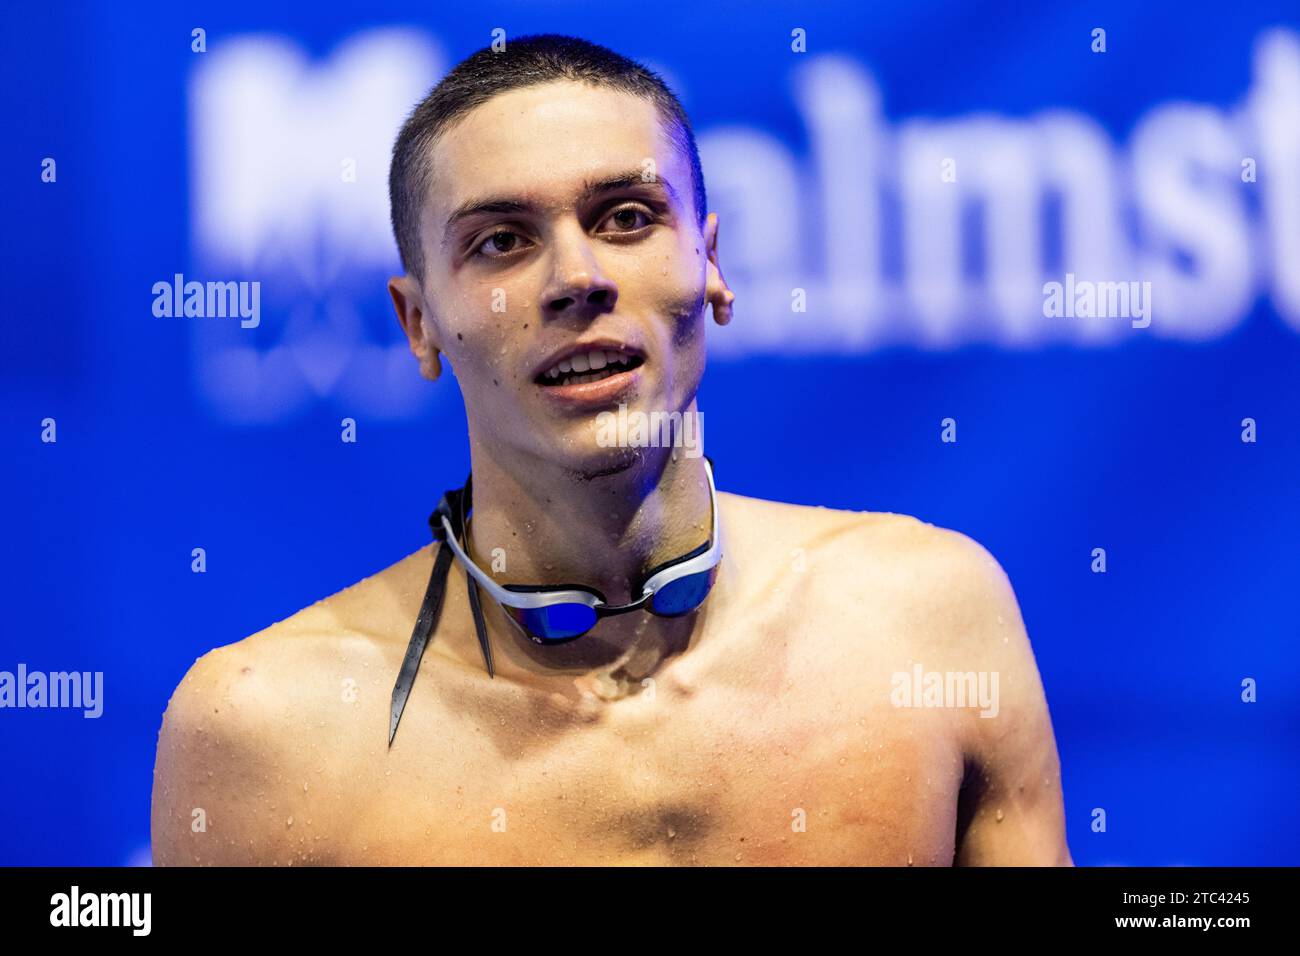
536	522
554	526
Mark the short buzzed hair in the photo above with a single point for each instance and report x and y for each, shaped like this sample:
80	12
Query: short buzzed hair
526	61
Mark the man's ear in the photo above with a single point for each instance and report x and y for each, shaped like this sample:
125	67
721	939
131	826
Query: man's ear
408	300
716	289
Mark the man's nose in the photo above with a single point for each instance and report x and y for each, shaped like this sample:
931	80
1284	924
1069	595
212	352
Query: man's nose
578	286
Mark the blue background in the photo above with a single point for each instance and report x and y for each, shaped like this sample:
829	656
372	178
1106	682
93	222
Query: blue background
1134	447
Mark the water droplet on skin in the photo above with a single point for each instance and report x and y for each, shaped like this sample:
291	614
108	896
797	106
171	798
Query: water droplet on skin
909	859
999	816
289	822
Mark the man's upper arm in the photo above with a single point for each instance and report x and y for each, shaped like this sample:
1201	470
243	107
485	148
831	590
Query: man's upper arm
210	791
1011	810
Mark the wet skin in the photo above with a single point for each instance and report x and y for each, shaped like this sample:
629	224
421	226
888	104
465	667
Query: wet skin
759	729
769	738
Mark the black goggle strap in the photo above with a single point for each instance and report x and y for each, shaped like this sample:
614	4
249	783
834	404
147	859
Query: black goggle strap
479	626
427	621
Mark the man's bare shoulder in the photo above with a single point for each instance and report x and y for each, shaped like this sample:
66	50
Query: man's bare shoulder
269	669
212	758
846	537
937	587
921	594
248	720
351	622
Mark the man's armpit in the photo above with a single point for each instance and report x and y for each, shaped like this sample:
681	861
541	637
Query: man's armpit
1012	815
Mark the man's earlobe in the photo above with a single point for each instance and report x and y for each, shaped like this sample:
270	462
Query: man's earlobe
408	301
716	291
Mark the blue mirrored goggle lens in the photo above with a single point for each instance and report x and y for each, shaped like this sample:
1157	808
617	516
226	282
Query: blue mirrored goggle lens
555	622
683	595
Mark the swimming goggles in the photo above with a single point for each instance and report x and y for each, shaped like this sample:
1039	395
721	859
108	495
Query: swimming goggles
548	613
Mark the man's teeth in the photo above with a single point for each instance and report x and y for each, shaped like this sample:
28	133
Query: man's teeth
588	362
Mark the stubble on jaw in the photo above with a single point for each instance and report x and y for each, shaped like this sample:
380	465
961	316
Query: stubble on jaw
586	475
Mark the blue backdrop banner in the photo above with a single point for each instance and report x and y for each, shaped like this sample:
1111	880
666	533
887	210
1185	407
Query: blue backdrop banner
1105	299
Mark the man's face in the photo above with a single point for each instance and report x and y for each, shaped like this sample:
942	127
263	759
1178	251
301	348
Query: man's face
509	290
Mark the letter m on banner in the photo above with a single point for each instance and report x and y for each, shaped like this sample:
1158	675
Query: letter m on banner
289	171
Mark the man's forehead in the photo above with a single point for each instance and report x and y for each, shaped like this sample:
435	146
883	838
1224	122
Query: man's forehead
544	143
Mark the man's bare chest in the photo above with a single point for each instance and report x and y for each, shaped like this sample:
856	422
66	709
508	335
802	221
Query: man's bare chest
727	779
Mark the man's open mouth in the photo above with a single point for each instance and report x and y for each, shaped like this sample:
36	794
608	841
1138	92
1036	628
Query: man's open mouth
589	366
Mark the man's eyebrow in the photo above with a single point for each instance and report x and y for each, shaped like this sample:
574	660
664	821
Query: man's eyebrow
508	205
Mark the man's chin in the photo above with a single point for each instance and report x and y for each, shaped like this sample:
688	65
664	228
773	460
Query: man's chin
603	444
597	462
582	458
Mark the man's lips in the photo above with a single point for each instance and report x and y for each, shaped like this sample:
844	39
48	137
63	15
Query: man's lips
593	395
588	376
592	360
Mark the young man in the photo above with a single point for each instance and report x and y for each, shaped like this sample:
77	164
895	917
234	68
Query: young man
550	211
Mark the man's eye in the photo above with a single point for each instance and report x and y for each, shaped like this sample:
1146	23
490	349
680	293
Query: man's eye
500	243
626	218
